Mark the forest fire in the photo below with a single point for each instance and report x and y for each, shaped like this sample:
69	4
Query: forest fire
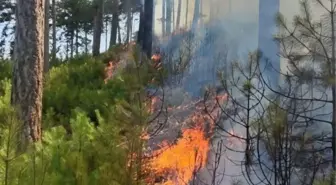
177	163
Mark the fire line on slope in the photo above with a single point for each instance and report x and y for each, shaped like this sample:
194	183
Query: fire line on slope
177	163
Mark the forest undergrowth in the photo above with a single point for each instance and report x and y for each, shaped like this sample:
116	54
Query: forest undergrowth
90	129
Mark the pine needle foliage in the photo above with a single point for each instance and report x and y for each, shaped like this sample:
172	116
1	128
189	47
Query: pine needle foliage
91	130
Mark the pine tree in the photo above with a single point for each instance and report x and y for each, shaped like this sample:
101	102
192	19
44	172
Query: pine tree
28	68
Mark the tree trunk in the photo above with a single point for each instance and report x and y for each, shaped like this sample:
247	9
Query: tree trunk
178	16
333	142
148	27
77	41
131	27
141	27
106	33
169	17
196	13
86	42
333	89
46	36
72	35
67	50
54	30
173	12
128	21
154	17
201	12
119	34
163	17
97	30
186	15
114	29
27	84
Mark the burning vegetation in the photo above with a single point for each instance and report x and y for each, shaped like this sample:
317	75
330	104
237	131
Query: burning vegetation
109	70
175	156
178	161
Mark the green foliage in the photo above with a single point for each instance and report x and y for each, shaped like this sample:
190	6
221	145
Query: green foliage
90	129
79	83
247	87
5	88
91	156
6	69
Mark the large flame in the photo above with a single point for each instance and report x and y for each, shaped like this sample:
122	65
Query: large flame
177	163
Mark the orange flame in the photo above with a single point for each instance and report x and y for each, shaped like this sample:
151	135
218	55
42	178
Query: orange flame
109	69
177	164
180	161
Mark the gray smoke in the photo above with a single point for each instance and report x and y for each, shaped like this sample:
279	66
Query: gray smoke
213	47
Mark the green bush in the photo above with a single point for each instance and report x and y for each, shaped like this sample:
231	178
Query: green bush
92	156
79	83
104	121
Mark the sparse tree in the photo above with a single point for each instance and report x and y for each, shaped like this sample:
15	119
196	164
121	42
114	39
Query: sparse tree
309	49
272	149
